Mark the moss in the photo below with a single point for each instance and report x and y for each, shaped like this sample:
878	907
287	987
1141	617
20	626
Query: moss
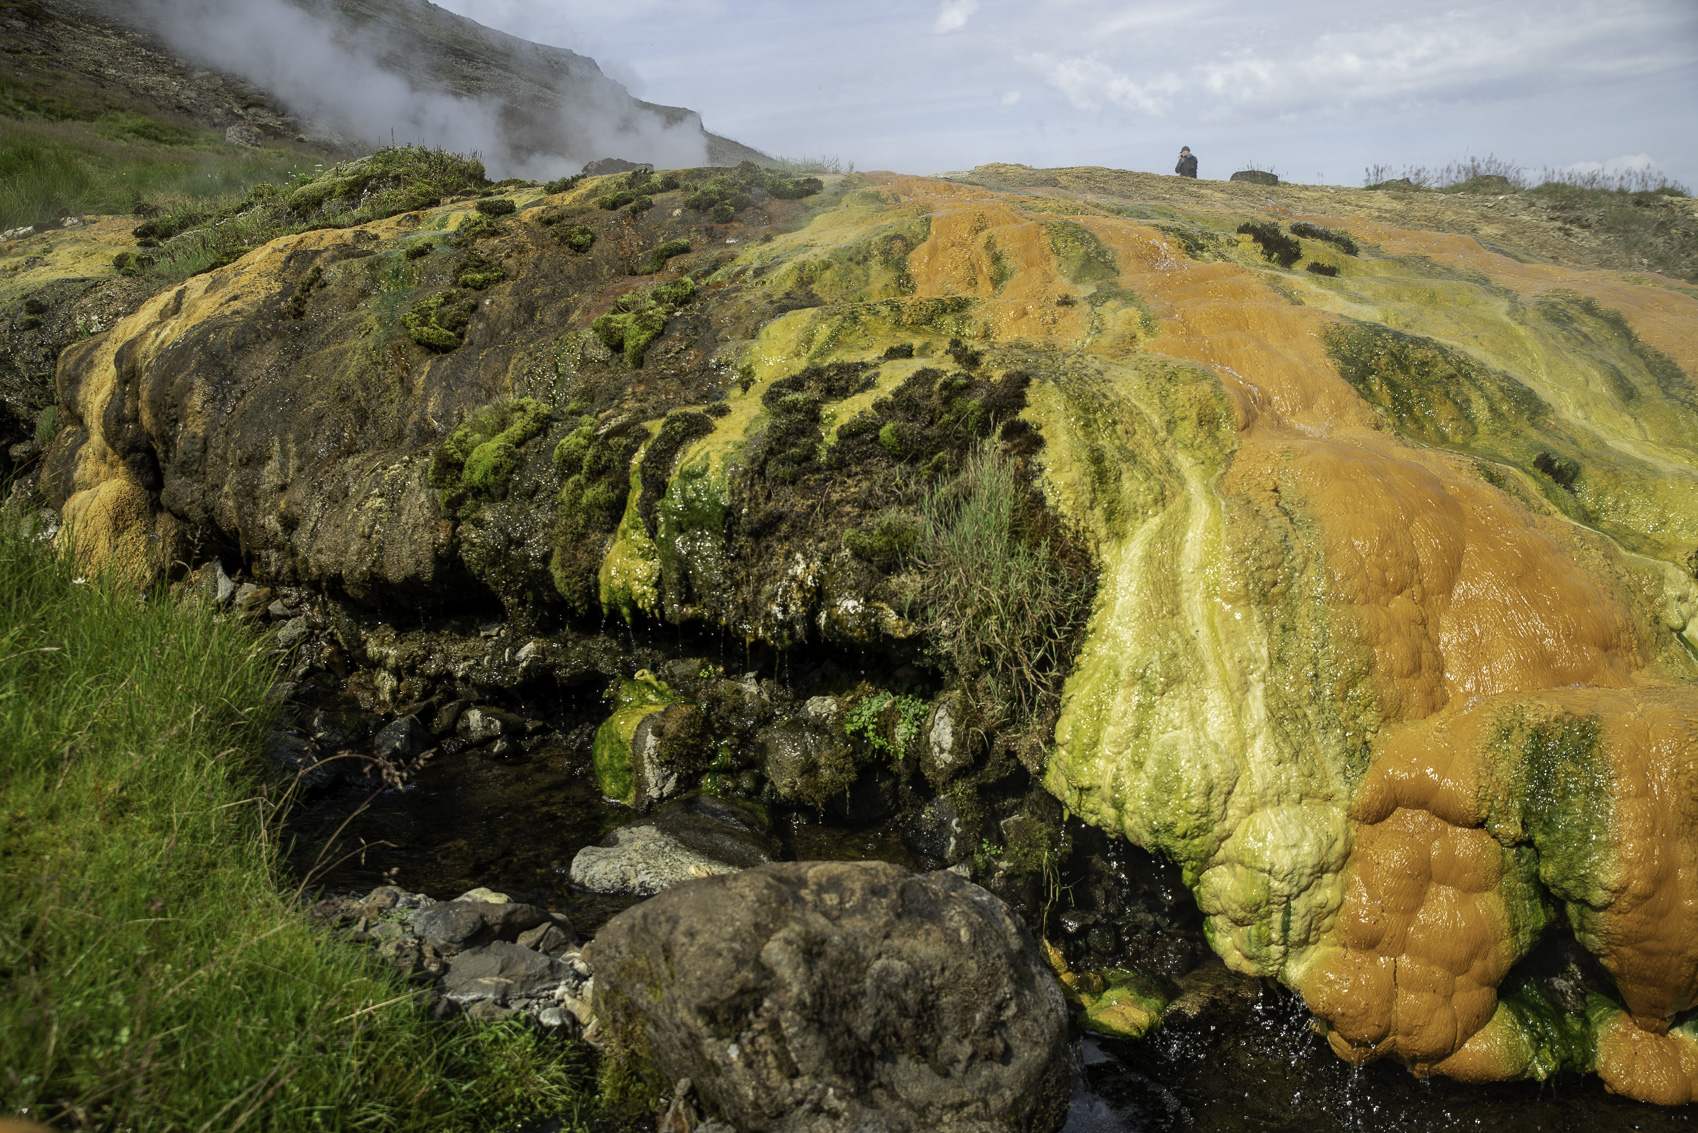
1560	469
596	472
676	432
1128	1005
1340	240
474	228
1275	245
1428	390
1556	791
296	305
496	206
638	318
891	539
128	263
420	249
475	273
439	321
656	260
478	458
1080	257
1557	1040
633	700
35	306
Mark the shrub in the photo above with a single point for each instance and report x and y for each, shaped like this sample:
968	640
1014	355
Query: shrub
420	250
1275	245
578	237
562	184
641	205
615	200
496	206
1321	269
476	273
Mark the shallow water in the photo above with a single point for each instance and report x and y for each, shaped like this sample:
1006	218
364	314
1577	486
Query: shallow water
1253	1064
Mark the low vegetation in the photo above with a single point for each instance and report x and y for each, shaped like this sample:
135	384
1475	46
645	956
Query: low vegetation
156	970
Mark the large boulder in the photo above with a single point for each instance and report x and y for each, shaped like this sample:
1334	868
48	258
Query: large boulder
828	996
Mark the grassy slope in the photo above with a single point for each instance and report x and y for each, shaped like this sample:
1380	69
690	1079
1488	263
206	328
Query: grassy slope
153	974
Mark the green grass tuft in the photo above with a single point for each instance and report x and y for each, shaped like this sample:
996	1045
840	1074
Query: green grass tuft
153	974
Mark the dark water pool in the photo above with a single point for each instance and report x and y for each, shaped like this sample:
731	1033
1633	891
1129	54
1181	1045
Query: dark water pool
1252	1064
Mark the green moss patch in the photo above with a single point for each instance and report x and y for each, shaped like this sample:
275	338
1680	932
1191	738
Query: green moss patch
633	701
638	318
657	259
1079	256
439	321
479	457
1275	245
595	469
475	273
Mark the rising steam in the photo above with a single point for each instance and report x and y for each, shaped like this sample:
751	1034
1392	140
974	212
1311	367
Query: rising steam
354	82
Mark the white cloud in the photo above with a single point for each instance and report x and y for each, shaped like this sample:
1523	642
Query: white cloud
1009	98
1087	82
1628	163
953	15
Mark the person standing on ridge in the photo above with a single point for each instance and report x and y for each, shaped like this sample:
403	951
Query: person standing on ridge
1187	166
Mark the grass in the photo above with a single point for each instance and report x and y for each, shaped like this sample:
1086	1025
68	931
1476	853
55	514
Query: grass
154	973
52	170
1005	596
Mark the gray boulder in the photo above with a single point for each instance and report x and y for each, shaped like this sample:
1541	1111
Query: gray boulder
401	739
504	972
827	996
454	926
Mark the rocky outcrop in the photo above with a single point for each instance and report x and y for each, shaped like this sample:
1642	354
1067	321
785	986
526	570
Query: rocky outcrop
1392	644
839	996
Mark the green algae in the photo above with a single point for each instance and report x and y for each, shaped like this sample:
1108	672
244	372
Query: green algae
595	470
638	318
633	701
1079	256
476	460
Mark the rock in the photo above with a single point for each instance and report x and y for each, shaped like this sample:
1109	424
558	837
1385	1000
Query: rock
480	725
548	938
939	832
297	758
281	610
502	972
1255	177
642	860
481	893
694	837
401	739
831	996
294	631
945	752
454	926
807	760
447	717
651	736
244	136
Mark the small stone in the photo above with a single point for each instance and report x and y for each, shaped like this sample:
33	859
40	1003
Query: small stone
447	717
294	632
545	938
402	739
488	1011
384	930
483	724
504	747
503	971
486	896
281	610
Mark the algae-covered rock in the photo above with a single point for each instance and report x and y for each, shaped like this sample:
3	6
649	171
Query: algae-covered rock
652	739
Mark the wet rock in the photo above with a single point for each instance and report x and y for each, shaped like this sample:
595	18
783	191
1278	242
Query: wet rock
807	759
447	717
281	610
401	739
700	836
294	631
298	759
839	996
549	938
453	926
939	831
480	725
945	752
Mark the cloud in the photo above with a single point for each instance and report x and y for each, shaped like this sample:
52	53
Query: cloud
1628	163
1087	82
953	15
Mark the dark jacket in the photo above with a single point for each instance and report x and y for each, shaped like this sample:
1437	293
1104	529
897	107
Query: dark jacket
1187	166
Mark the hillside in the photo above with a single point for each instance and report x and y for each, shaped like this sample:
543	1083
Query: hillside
1358	578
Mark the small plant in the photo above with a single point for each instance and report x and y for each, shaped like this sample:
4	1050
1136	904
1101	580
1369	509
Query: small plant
496	206
128	263
892	538
419	250
562	184
612	202
889	723
1275	245
474	228
1320	268
641	205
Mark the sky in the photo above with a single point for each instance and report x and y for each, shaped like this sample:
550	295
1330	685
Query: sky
1315	91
